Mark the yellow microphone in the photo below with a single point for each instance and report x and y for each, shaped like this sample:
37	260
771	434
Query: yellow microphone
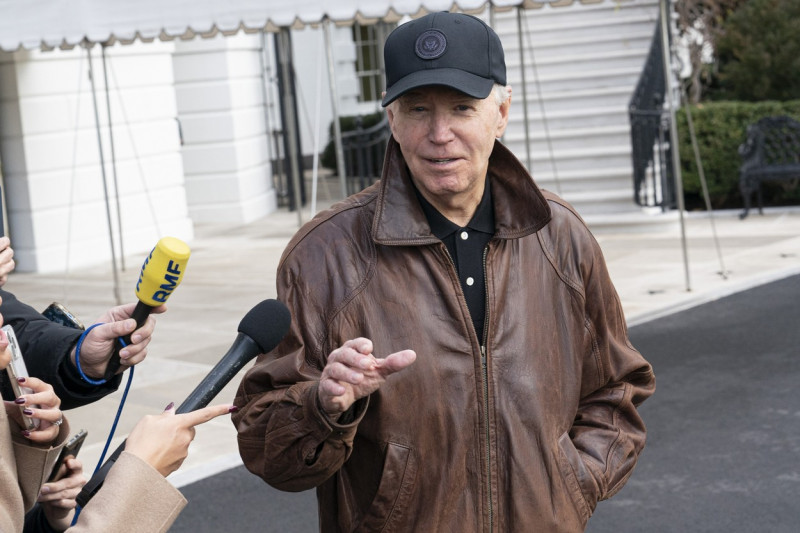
161	272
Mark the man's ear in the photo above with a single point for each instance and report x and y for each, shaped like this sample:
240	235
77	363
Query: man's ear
390	116
504	110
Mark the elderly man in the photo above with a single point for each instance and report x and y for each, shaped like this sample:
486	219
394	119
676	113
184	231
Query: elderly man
458	358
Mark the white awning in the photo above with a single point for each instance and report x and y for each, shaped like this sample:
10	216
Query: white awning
47	24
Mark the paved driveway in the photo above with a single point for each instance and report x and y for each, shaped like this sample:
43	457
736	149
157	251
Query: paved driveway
723	451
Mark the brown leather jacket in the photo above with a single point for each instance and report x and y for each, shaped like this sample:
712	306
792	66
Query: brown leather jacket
523	431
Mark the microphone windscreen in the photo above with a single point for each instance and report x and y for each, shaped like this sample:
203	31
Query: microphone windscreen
266	323
162	271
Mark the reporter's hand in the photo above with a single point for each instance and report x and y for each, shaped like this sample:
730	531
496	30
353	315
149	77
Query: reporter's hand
58	498
352	372
100	343
42	404
7	263
163	440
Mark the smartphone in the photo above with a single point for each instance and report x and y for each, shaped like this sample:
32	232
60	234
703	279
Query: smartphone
59	314
72	447
17	369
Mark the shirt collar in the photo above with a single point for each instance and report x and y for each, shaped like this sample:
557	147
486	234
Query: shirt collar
482	220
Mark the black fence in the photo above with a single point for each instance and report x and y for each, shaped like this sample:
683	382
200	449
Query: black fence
364	149
653	185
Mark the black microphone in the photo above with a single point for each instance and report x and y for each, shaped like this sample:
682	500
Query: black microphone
261	330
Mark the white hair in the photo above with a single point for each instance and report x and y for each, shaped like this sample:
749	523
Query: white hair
501	93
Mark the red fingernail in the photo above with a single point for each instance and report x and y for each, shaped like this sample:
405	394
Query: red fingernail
26	433
170	406
19	401
27	411
233	409
21	380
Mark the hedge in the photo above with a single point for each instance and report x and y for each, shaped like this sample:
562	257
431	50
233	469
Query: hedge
720	127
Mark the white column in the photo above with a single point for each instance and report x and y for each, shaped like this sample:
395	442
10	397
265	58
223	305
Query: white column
226	148
50	159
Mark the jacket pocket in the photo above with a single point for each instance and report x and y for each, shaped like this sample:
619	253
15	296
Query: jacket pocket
394	490
575	473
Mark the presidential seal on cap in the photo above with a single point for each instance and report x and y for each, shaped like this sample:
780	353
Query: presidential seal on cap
450	49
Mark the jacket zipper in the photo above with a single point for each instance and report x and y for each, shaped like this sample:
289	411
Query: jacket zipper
485	379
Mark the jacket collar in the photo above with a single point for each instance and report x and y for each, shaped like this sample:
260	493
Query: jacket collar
519	206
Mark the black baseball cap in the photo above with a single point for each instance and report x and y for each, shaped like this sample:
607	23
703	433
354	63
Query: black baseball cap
451	49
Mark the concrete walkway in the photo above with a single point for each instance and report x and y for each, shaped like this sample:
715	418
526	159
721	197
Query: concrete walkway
233	268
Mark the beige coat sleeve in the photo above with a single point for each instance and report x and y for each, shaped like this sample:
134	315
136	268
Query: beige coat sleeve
24	467
135	498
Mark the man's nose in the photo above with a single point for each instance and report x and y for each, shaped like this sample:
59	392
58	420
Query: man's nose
440	128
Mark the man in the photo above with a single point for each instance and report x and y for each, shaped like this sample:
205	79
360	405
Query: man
458	358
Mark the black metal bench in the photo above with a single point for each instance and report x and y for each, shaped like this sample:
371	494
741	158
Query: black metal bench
770	152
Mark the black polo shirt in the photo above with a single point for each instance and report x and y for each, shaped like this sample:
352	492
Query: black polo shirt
466	246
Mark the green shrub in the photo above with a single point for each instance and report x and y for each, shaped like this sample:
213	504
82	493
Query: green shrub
720	128
758	52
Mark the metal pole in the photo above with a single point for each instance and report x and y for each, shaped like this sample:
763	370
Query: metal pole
524	91
113	158
103	173
337	128
673	130
262	58
288	103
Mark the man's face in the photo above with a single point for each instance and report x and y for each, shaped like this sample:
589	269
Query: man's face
446	138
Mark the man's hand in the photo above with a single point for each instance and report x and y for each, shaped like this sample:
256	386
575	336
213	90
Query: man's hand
352	372
100	343
7	263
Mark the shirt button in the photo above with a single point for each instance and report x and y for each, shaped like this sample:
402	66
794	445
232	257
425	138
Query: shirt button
464	235
470	281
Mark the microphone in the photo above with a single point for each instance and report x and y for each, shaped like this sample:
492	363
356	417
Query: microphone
161	272
261	330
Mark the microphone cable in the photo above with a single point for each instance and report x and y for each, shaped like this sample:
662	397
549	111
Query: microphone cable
119	409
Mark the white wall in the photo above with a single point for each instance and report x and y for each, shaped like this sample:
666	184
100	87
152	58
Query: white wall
53	184
220	94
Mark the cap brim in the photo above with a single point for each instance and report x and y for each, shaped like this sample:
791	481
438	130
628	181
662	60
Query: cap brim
469	84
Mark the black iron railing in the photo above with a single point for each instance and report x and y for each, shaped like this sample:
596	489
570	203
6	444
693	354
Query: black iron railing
652	161
364	149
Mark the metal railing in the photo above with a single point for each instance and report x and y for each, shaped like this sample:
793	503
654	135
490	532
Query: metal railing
653	185
364	149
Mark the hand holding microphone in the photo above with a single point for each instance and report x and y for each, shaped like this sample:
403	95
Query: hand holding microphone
103	345
161	273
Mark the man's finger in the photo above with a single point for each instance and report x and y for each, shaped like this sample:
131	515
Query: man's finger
398	360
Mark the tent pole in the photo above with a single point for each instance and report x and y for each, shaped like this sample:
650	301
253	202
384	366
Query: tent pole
337	128
289	126
103	173
113	158
673	130
525	121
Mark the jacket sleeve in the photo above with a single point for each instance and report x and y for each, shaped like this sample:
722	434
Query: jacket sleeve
134	498
608	430
46	348
283	435
608	433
